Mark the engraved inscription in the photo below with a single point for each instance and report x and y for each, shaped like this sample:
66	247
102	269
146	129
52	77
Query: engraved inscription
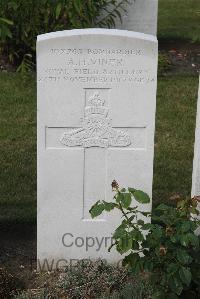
97	130
97	75
74	51
97	66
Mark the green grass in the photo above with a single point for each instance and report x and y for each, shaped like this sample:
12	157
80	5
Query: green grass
179	19
175	127
175	123
18	148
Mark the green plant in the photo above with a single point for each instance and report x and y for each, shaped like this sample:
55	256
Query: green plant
5	29
163	64
167	249
21	21
26	64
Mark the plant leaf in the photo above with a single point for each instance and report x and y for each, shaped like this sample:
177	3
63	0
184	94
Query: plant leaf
141	196
119	197
185	275
58	10
183	257
125	244
9	22
131	190
126	201
108	206
96	209
162	207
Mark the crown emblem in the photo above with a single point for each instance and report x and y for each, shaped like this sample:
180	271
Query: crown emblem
96	100
96	105
96	128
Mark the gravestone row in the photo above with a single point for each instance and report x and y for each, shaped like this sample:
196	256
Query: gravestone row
140	16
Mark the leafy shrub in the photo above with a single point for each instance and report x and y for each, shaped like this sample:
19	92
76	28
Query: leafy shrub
168	252
21	21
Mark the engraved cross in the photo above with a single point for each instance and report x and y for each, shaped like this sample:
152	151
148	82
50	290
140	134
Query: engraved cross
95	136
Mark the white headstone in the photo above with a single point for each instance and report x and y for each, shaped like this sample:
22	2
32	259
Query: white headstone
96	115
196	161
140	16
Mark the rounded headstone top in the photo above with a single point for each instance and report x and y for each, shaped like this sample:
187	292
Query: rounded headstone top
98	31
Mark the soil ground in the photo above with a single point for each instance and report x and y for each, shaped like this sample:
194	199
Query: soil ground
183	57
18	252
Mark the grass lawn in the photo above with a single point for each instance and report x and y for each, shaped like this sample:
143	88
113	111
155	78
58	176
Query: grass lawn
175	123
179	19
18	149
175	129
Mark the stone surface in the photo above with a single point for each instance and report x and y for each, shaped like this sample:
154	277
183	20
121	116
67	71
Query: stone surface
96	115
141	16
196	161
